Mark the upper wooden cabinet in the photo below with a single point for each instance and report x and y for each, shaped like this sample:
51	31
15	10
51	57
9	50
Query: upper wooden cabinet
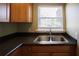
4	12
21	12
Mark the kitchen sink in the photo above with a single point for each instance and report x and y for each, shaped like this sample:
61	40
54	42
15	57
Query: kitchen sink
50	39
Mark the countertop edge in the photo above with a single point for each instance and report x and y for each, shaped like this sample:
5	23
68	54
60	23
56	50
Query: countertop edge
13	49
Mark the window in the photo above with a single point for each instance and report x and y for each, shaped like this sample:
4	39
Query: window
50	18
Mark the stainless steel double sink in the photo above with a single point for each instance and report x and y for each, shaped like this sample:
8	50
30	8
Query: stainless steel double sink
50	39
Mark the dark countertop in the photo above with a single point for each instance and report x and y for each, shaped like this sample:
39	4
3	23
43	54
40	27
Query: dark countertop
7	46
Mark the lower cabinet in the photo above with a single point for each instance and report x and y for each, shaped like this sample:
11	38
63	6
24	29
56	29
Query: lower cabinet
39	50
58	50
26	50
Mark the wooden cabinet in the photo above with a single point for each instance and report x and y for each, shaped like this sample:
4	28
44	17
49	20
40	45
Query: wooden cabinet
39	50
4	12
26	50
53	49
58	50
21	12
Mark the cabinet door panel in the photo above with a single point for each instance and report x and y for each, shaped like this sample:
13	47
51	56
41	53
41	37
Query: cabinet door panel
21	12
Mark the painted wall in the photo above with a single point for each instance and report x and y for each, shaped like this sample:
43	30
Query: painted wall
72	18
7	28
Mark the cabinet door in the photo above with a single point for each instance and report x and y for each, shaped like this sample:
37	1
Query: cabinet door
4	12
21	12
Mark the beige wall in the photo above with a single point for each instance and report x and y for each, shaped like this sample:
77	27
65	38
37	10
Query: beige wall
72	18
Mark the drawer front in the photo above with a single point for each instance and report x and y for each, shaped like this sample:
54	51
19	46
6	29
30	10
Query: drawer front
51	49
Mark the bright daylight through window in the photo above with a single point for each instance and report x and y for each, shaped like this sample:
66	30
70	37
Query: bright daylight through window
50	18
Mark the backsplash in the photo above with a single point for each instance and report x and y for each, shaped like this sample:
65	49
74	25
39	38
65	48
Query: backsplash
23	27
7	28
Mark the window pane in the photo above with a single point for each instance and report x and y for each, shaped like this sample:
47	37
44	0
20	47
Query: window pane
50	11
44	22
50	23
50	17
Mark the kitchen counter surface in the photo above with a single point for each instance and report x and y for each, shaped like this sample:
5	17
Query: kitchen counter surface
7	46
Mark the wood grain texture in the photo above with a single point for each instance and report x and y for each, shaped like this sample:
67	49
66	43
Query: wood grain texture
21	12
27	50
52	49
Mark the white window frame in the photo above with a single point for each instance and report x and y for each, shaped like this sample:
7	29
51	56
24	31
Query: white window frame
52	29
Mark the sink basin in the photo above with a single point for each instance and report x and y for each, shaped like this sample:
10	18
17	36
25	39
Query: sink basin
52	39
43	38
